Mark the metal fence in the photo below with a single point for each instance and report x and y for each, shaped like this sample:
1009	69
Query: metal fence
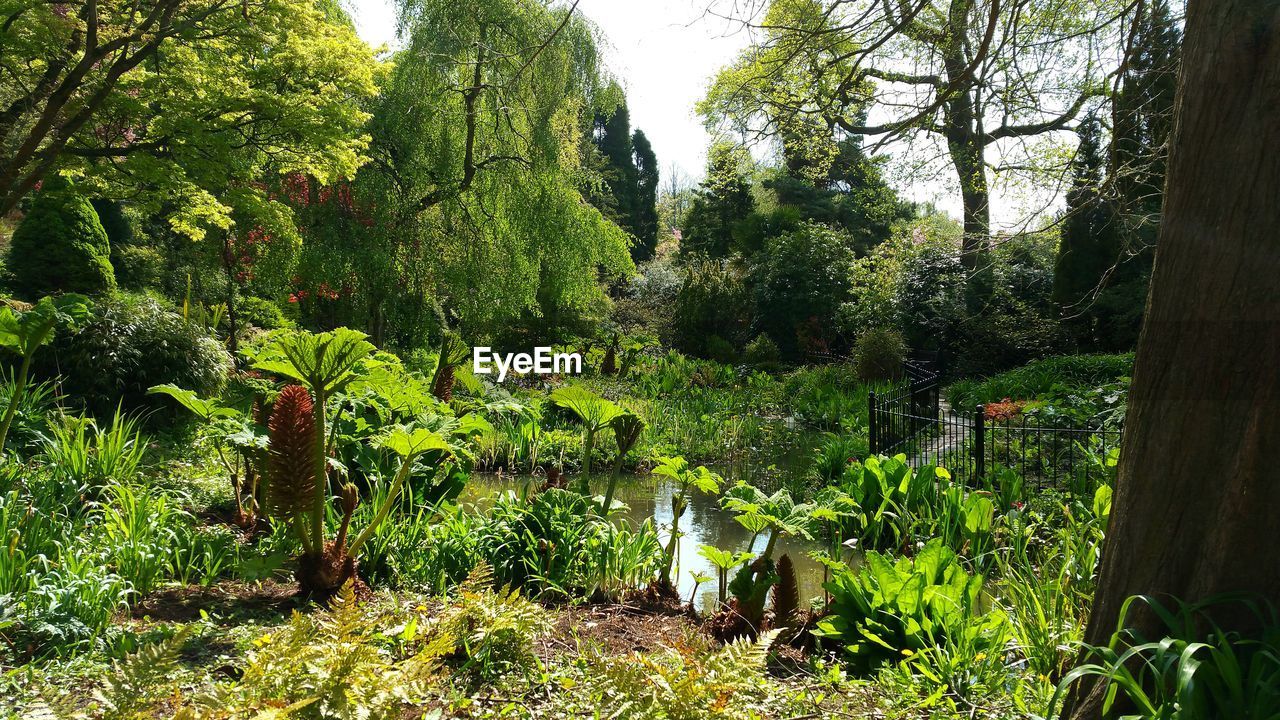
914	420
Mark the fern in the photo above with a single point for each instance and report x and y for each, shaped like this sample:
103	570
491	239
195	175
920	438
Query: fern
134	680
682	684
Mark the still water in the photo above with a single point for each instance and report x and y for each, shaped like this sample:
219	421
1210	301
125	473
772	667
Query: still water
703	523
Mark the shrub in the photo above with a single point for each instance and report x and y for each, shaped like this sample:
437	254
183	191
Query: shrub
800	280
138	266
762	353
132	343
720	350
713	302
1042	377
261	313
60	247
879	354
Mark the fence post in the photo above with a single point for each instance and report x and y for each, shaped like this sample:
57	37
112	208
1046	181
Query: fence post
871	422
980	441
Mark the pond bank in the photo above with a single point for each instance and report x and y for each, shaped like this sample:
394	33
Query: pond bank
703	523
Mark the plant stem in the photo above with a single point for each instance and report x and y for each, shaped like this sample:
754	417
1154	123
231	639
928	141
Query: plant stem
322	475
393	494
613	484
677	509
19	387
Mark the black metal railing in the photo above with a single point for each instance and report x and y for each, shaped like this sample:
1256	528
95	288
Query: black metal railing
912	419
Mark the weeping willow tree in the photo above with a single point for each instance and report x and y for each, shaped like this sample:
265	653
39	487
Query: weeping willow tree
473	199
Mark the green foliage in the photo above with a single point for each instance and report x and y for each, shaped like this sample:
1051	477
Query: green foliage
479	203
762	353
896	504
1198	670
720	204
687	479
132	683
323	362
130	108
25	333
879	354
261	313
681	684
646	220
130	344
343	661
799	280
139	267
493	630
1056	376
594	412
87	457
60	247
714	301
30	418
888	611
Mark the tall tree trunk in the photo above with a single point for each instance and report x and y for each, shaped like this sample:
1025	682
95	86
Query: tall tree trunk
965	142
966	151
1198	487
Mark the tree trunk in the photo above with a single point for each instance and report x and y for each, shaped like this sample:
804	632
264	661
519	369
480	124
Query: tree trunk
965	142
1198	487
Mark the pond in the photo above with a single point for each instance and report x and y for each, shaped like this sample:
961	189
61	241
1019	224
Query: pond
704	523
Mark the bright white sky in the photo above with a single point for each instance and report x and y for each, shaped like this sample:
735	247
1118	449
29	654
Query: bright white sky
665	53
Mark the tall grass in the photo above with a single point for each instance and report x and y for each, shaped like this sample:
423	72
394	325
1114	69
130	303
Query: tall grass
1196	670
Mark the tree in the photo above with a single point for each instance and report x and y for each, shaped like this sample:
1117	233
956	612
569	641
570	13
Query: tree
612	136
646	208
1113	207
966	75
474	189
1090	236
721	202
800	279
1197	485
186	105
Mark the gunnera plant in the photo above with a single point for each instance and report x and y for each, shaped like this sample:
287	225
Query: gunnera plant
324	363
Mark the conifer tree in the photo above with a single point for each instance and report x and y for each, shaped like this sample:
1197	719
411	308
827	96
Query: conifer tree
646	207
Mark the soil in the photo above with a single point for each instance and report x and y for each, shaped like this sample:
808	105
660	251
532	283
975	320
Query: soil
229	597
620	629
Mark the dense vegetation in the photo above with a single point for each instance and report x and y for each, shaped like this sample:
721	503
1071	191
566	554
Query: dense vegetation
248	470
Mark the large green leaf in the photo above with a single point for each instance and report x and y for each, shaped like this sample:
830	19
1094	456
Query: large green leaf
207	409
409	442
24	332
324	362
592	410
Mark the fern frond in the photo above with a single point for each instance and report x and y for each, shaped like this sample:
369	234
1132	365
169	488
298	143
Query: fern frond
479	580
135	679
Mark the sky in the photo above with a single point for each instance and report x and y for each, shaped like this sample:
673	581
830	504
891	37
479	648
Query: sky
665	53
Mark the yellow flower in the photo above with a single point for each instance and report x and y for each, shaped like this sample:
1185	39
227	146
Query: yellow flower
979	657
907	652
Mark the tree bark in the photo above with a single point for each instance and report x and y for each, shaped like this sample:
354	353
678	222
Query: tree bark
1195	507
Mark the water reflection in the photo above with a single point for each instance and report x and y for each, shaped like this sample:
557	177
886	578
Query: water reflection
703	523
